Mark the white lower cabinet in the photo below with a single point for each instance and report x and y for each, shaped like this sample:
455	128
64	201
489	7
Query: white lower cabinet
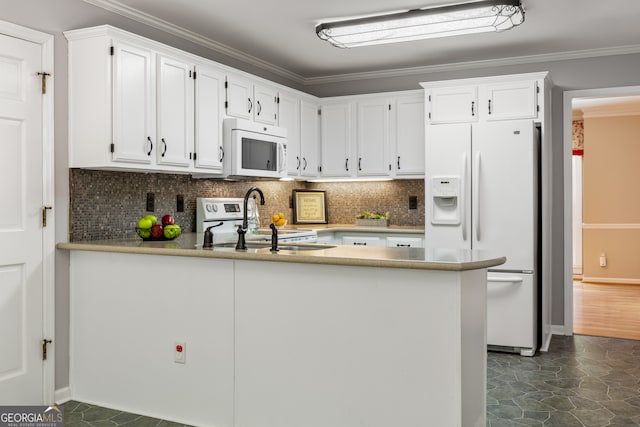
363	241
405	242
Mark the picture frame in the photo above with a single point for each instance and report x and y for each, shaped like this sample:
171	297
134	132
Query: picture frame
309	207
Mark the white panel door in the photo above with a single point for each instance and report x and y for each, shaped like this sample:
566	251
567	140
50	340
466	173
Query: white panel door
289	118
21	235
209	102
336	137
448	155
373	138
504	188
175	112
134	125
409	135
452	104
266	108
239	97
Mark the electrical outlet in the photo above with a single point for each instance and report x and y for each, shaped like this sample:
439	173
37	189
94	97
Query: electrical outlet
151	202
413	202
180	352
179	203
603	260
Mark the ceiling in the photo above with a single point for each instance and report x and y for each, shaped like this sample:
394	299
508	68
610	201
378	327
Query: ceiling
279	35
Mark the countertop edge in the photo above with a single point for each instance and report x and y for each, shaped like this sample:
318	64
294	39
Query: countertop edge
283	257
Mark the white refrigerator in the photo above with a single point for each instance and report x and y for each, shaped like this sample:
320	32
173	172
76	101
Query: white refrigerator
481	187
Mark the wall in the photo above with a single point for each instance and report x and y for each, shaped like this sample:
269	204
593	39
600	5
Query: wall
107	205
53	17
611	206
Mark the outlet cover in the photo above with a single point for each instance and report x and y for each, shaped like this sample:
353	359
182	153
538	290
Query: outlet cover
413	202
151	202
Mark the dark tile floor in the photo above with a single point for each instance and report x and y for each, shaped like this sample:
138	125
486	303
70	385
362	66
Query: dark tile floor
581	382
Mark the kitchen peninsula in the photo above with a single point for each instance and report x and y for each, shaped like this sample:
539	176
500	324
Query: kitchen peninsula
308	336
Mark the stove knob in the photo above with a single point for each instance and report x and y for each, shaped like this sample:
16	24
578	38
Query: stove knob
215	208
208	207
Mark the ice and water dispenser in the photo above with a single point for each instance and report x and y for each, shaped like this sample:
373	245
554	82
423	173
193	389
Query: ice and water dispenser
445	200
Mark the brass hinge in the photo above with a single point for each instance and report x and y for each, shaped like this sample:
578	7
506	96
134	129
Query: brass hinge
44	215
44	81
44	343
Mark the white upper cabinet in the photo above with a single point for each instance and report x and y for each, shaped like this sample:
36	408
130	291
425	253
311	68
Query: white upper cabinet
175	120
373	137
336	140
452	104
408	136
289	117
483	99
247	100
309	139
266	100
134	104
511	100
209	106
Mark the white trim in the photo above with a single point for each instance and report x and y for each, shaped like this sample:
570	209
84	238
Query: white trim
558	330
144	18
48	234
62	395
611	226
615	280
567	153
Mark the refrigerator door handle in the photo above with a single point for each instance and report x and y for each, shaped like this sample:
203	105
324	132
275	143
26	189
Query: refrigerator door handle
513	279
463	202
476	210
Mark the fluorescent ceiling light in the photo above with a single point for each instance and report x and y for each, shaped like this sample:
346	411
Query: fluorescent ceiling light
417	24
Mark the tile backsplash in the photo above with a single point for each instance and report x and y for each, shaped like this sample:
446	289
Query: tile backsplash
107	205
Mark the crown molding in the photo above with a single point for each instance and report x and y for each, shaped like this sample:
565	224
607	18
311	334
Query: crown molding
467	65
615	110
155	22
152	21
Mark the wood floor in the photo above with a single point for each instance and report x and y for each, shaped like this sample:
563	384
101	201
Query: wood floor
606	310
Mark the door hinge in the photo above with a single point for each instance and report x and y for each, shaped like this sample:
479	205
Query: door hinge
389	107
112	51
44	215
429	98
319	112
113	147
194	74
538	108
44	76
319	168
226	84
194	156
226	104
277	100
429	114
44	343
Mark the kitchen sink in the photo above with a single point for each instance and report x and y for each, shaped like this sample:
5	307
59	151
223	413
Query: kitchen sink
266	246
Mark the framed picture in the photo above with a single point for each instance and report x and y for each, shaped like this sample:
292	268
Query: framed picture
309	207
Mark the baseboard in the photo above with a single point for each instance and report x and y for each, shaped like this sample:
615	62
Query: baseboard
557	330
610	280
62	395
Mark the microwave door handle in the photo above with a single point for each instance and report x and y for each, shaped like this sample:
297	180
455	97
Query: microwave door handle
281	158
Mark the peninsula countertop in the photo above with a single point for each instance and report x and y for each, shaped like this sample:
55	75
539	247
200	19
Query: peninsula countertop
190	245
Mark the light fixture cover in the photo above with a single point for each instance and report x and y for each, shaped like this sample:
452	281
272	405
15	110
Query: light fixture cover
416	24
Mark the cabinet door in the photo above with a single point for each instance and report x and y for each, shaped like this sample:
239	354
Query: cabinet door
335	135
208	118
239	97
452	104
175	112
409	136
289	118
362	241
373	138
512	100
134	135
266	104
309	139
404	242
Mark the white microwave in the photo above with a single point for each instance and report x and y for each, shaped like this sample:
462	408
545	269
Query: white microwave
254	150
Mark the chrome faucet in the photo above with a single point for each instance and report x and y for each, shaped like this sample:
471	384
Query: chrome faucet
242	229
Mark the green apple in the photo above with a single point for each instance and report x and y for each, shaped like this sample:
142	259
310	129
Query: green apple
144	233
145	223
172	231
151	218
